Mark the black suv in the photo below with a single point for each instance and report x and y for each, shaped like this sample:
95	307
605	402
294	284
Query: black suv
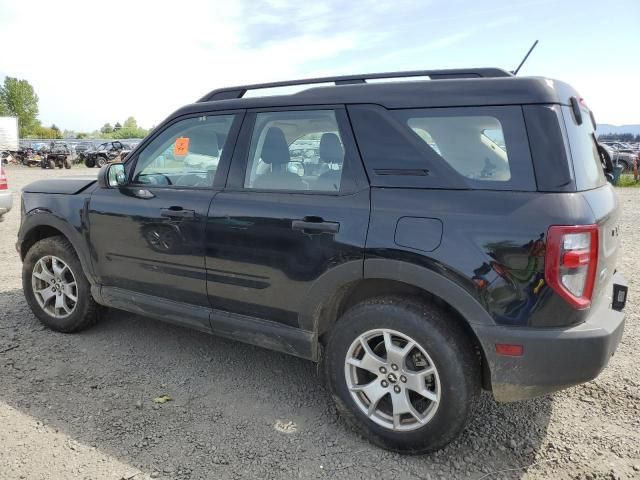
446	235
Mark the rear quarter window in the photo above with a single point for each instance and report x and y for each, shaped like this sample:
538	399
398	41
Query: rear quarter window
587	167
473	145
453	148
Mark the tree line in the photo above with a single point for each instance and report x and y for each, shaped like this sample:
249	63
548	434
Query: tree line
19	99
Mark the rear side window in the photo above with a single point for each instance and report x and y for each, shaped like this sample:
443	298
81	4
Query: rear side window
473	145
296	150
587	167
451	148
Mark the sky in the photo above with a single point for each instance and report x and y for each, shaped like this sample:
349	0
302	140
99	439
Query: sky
96	62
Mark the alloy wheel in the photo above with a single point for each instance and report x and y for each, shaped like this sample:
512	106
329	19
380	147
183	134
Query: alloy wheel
392	379
54	286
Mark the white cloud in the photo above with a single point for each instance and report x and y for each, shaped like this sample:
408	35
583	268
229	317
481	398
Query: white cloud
95	62
138	58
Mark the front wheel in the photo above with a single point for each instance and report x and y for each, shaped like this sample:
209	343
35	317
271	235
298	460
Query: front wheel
403	373
89	163
56	288
67	163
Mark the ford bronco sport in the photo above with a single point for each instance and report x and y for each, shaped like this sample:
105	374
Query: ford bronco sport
447	235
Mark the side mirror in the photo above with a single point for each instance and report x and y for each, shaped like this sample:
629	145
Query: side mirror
112	175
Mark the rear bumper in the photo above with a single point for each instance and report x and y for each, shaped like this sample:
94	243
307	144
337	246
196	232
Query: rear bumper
6	201
553	358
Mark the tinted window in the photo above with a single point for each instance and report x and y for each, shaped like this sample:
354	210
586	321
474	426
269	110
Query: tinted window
587	167
298	150
186	154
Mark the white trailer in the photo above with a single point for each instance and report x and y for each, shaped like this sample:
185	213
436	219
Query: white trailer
8	134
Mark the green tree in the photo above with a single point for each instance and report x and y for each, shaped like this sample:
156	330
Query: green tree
117	126
17	98
130	123
106	128
44	133
130	129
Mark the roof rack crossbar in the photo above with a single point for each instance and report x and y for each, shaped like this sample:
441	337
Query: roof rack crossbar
240	91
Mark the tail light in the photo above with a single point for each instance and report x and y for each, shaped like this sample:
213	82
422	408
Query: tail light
4	185
571	262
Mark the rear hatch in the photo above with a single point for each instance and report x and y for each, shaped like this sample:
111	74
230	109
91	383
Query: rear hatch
593	186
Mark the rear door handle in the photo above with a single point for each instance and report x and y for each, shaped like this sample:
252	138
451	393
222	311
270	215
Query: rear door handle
315	225
177	212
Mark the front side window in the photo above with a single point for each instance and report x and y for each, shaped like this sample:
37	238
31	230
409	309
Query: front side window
298	150
473	145
186	154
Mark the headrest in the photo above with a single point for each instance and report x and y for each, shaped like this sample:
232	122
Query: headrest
331	150
204	143
275	150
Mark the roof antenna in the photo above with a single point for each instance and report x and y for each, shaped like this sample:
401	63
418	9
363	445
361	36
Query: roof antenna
515	72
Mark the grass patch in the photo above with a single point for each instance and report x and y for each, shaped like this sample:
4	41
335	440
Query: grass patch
627	180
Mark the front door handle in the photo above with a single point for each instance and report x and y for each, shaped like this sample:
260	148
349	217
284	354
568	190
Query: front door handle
177	212
314	225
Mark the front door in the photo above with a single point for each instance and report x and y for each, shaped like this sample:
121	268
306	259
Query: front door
295	210
148	236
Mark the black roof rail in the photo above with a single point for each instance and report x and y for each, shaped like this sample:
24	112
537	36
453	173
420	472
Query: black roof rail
239	91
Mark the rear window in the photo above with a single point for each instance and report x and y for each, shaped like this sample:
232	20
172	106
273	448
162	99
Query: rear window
584	151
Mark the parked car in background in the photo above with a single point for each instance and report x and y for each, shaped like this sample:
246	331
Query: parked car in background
619	146
106	152
6	197
625	159
83	147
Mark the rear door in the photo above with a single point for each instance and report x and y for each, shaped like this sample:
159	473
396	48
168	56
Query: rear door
292	222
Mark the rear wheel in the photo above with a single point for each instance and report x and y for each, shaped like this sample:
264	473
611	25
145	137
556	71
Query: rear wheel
67	163
101	162
402	373
56	288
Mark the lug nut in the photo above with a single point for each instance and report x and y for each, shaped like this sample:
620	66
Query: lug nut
396	389
384	383
403	379
394	366
383	370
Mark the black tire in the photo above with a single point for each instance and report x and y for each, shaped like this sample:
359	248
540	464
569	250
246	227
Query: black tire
446	344
101	162
86	310
67	163
89	163
52	164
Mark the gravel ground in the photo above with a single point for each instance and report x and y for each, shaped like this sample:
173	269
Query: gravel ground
81	406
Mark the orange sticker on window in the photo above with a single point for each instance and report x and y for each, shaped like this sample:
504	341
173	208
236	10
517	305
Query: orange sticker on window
181	147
